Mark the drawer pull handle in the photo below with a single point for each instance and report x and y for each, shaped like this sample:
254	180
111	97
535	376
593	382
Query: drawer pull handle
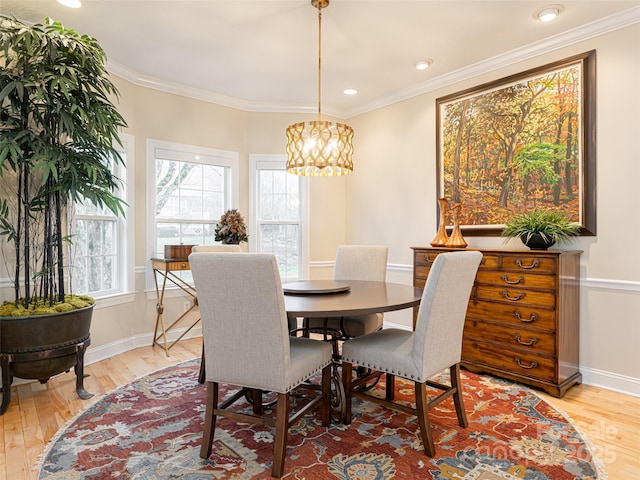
520	296
533	264
533	341
532	318
530	366
428	259
184	266
505	278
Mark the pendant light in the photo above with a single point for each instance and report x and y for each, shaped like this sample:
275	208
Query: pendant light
319	148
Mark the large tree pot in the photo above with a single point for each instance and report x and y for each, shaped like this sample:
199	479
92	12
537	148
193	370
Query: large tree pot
42	346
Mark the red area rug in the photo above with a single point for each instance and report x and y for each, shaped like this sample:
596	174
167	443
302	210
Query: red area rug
151	429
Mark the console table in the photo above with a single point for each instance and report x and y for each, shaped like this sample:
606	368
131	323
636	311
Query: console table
523	317
163	272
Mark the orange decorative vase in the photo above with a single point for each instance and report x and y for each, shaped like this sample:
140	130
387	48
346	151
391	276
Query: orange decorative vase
456	240
440	240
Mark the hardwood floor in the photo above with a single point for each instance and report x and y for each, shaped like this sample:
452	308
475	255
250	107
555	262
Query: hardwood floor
610	420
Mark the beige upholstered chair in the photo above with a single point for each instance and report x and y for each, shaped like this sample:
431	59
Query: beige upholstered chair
216	248
436	344
355	262
247	344
212	248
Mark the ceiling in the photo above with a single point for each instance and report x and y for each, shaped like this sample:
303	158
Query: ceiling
261	55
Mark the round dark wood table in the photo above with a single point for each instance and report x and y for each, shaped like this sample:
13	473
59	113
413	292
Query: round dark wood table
316	298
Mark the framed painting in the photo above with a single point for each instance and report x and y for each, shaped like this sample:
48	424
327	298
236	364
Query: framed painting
522	142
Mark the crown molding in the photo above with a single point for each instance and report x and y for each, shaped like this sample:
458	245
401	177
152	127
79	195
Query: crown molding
564	39
134	77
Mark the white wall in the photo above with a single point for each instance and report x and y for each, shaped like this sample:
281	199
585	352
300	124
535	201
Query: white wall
396	178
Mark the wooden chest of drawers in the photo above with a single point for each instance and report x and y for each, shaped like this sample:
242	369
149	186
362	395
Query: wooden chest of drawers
523	316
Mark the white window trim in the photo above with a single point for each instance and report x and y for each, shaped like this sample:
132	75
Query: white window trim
278	162
182	152
128	255
126	247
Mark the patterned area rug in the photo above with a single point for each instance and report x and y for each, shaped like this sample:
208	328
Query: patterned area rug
151	429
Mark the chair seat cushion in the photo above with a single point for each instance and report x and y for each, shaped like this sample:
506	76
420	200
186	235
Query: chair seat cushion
386	351
353	326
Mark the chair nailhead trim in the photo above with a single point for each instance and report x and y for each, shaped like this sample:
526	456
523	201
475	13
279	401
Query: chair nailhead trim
380	369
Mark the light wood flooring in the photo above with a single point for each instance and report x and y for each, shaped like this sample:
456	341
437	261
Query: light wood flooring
610	420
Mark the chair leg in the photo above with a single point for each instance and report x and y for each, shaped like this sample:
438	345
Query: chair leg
390	390
348	396
256	400
422	411
282	429
305	327
458	399
202	372
209	419
336	348
326	394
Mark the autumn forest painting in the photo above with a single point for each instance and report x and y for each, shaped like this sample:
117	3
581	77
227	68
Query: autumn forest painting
513	147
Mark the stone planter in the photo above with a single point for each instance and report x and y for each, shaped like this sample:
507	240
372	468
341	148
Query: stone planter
42	346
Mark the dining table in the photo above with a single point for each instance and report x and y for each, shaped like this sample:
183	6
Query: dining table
331	298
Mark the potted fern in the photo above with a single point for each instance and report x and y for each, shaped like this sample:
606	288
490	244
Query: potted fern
540	229
58	133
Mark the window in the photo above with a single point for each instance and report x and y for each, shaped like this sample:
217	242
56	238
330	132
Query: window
278	213
190	188
102	244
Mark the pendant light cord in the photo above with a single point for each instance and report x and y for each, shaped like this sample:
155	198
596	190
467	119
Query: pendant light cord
319	59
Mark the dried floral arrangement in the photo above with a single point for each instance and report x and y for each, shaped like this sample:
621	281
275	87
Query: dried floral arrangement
231	228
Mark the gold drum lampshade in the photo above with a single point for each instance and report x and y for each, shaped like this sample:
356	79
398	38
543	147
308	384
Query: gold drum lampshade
319	148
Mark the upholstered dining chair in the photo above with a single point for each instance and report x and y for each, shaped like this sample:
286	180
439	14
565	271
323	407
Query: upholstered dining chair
217	248
212	248
435	345
354	262
247	344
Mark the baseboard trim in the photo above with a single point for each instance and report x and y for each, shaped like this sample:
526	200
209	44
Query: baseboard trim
611	381
102	352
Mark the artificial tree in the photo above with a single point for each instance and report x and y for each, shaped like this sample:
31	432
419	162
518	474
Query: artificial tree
58	141
58	138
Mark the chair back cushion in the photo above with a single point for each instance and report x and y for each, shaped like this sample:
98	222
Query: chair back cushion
217	248
244	321
438	333
361	262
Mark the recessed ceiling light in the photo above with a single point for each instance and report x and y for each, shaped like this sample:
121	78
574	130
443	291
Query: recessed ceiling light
350	91
423	64
70	3
549	13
